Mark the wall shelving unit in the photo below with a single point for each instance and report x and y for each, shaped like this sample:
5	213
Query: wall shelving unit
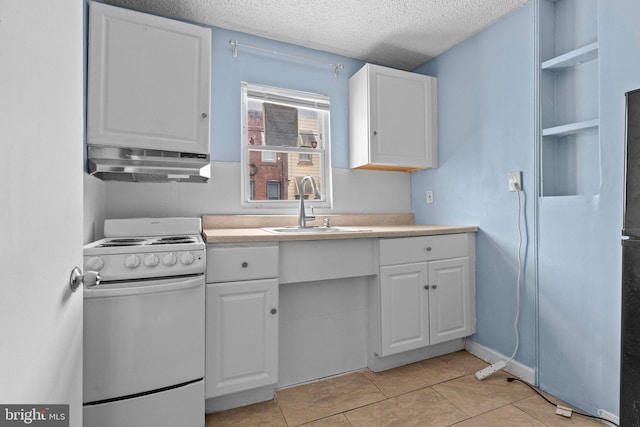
569	98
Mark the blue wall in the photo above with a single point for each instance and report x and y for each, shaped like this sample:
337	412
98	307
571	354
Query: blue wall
258	67
486	130
570	326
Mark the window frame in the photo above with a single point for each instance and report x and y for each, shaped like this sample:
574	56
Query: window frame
298	99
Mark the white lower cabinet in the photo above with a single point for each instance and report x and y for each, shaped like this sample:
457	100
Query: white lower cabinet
424	295
242	336
404	307
241	318
429	299
451	305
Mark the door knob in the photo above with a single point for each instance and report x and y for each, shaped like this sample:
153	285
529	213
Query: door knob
77	279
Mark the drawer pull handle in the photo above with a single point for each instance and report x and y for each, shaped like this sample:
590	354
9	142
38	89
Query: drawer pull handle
274	311
428	249
245	264
434	286
426	287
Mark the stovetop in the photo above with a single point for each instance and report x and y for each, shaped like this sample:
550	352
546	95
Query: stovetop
144	248
143	244
141	241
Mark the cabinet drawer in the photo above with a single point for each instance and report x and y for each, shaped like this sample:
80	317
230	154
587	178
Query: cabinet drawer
243	262
424	248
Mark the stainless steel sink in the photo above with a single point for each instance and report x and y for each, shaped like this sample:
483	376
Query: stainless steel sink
313	230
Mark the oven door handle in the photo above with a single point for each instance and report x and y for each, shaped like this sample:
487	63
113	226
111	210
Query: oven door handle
145	287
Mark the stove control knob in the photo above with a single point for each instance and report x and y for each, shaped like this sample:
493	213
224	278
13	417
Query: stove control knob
151	260
94	264
132	261
187	258
169	259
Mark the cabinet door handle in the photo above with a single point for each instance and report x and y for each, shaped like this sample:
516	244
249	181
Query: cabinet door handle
428	249
245	264
434	286
274	311
205	115
375	132
426	287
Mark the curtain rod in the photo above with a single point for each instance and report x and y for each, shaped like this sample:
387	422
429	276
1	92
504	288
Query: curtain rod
235	45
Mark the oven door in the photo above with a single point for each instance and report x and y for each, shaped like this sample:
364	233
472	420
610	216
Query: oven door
142	336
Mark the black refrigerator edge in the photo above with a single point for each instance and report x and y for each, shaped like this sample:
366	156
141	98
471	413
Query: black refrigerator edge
630	326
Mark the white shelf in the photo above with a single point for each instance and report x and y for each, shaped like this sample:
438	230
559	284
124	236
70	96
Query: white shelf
571	59
571	128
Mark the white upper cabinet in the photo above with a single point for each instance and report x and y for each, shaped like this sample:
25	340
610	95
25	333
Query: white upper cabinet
149	81
392	120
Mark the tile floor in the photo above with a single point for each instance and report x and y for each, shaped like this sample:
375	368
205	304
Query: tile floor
435	392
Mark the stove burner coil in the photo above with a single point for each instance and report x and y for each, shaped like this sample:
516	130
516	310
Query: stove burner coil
174	238
171	242
116	244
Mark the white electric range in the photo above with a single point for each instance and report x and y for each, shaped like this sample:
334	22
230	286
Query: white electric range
144	324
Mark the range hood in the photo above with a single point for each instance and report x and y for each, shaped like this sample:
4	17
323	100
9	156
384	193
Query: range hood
142	165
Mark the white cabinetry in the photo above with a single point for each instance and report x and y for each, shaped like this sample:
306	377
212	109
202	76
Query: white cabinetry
241	318
149	81
451	306
392	120
427	291
404	307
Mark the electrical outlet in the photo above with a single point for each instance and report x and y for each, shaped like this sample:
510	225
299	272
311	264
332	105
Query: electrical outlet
515	181
429	196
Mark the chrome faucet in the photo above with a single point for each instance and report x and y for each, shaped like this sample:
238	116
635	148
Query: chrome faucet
303	218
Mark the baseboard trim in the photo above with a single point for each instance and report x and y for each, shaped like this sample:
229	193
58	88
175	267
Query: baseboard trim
242	398
514	367
378	364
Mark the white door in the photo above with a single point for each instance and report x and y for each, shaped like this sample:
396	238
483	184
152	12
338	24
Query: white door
403	111
41	139
242	336
450	303
404	306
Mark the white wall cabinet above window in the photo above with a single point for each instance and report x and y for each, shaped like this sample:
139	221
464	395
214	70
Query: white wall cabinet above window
393	122
149	81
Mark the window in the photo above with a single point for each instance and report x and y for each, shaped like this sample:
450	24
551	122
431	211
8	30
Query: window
285	136
273	190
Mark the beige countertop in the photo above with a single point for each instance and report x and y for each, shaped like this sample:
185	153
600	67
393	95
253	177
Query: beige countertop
248	228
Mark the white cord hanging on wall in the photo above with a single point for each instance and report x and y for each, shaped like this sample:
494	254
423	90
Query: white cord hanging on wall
235	45
501	364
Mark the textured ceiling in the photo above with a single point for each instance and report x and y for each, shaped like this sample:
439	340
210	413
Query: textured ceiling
397	33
